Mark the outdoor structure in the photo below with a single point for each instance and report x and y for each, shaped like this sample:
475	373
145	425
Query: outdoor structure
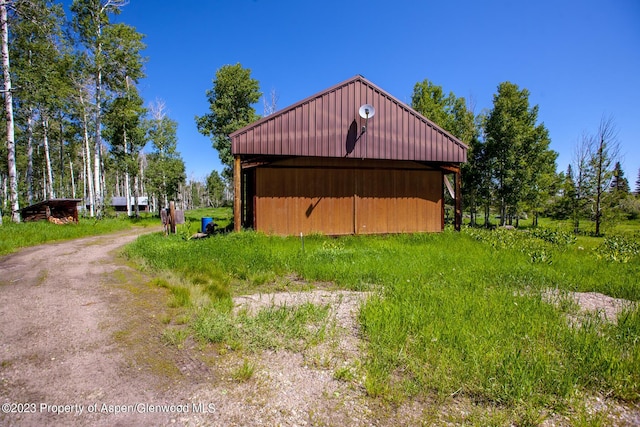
120	203
351	159
54	210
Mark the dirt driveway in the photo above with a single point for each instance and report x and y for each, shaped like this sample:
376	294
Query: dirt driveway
62	312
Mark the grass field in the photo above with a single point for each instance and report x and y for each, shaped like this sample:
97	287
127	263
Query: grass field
452	313
14	236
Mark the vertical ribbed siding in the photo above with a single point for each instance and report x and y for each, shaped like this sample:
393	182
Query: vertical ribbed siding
318	127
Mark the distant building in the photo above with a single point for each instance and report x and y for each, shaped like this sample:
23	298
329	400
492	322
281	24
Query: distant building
120	204
351	159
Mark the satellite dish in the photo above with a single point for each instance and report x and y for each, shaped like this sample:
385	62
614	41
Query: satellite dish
366	111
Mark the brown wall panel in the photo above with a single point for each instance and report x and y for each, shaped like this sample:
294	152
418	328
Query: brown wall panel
291	200
398	201
294	201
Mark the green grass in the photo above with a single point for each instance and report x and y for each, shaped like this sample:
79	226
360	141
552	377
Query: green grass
243	372
452	313
14	236
221	216
291	328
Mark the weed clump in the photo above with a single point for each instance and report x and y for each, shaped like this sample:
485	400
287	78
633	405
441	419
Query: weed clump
617	249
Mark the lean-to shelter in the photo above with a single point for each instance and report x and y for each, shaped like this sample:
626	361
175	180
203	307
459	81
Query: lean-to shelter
351	159
53	210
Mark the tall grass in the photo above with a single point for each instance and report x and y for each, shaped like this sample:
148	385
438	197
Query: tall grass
451	312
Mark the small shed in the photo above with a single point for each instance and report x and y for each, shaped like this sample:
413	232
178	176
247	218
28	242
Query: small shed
120	203
329	165
54	210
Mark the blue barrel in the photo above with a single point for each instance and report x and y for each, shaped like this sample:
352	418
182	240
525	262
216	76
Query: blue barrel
206	221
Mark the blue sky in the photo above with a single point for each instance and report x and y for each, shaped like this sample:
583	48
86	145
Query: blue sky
579	60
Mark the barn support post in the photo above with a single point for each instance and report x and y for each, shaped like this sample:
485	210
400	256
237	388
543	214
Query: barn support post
458	216
237	194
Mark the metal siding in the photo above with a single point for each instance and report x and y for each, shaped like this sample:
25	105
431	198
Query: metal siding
278	132
318	127
377	126
297	131
344	108
330	109
265	141
392	133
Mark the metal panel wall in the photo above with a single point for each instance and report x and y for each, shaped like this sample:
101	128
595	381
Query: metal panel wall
338	200
319	126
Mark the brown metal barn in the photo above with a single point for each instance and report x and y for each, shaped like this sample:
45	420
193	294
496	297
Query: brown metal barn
319	167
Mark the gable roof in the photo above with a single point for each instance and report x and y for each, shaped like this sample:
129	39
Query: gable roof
327	124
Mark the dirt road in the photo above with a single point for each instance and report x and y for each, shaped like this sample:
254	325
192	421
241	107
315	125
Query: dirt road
62	320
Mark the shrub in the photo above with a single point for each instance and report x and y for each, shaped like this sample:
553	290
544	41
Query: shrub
617	249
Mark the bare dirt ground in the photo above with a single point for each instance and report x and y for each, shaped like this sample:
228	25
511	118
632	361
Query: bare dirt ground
81	344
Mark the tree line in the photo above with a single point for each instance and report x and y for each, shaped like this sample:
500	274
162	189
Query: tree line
75	124
511	170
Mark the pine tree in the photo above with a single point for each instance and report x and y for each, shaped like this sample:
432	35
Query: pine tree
619	183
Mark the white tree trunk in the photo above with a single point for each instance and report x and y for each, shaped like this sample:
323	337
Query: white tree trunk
73	180
127	192
127	178
45	141
103	184
87	150
8	107
4	195
84	181
30	156
135	197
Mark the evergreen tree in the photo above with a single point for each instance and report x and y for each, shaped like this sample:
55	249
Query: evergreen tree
565	200
637	192
619	183
230	108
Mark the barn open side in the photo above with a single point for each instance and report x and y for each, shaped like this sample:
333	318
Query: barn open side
319	166
53	210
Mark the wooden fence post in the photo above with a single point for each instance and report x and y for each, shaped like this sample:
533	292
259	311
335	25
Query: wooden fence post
172	217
